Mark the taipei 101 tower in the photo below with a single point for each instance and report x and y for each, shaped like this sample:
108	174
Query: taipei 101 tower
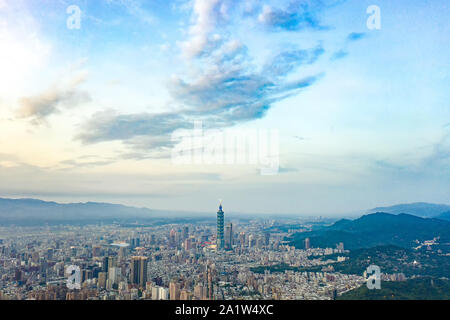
220	238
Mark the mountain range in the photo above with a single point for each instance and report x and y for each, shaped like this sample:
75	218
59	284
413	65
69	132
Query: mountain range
377	229
33	210
421	209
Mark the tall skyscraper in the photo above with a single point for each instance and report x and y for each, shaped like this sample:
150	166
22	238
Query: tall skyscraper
138	273
220	239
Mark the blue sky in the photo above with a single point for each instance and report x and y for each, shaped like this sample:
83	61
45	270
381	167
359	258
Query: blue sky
363	114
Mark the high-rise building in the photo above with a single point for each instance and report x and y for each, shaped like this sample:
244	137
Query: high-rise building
155	293
163	294
251	241
96	251
105	264
50	252
112	262
220	237
229	236
210	284
138	273
174	290
185	233
113	276
185	295
172	238
307	243
242	239
188	244
102	280
122	254
198	291
266	238
85	275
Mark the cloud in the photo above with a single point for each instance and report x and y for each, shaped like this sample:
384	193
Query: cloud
84	164
38	107
222	85
287	170
287	61
224	95
339	55
435	163
355	36
205	16
108	126
230	89
299	15
440	153
135	8
299	138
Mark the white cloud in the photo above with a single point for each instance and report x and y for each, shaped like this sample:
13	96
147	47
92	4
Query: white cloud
205	16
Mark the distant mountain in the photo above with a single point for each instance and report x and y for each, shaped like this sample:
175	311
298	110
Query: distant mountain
421	209
377	229
30	211
444	216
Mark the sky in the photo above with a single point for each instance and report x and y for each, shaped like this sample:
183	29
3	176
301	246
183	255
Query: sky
92	94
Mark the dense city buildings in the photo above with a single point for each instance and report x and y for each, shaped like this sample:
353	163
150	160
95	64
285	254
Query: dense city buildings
205	259
164	261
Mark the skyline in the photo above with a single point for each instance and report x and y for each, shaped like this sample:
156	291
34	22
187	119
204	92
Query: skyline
87	114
